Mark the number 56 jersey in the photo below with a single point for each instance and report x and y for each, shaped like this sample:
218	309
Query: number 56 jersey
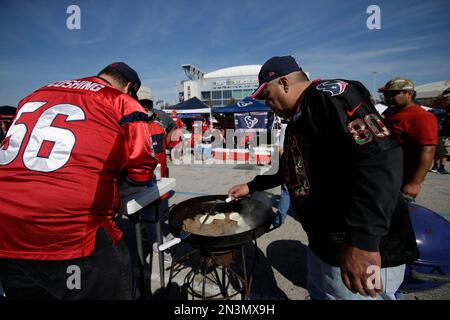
60	164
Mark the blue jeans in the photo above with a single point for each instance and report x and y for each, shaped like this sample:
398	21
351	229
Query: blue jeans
207	153
324	281
284	203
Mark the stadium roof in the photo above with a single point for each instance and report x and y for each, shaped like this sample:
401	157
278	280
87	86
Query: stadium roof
248	70
432	90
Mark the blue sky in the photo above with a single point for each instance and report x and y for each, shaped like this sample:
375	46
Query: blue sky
329	39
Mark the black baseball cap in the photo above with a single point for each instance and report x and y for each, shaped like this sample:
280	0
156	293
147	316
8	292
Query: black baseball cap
274	68
128	73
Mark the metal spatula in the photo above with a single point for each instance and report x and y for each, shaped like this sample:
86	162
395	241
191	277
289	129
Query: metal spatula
227	200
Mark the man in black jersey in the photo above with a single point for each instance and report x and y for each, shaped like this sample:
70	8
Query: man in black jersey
359	231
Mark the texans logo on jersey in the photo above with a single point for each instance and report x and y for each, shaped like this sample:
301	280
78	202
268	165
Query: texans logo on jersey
334	87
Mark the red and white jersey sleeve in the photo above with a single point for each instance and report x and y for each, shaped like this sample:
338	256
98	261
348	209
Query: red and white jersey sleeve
138	142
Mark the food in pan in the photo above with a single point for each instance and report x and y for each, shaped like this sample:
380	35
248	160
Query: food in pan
235	216
211	218
218	224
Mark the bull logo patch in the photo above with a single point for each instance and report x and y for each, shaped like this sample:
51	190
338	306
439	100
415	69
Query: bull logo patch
334	87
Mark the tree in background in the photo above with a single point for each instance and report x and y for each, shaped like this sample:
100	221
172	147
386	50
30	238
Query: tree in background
231	101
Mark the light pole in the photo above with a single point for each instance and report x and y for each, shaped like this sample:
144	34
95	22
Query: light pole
374	83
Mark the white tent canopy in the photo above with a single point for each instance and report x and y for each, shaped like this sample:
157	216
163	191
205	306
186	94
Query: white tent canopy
432	90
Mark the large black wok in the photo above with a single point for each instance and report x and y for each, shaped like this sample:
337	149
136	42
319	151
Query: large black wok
256	213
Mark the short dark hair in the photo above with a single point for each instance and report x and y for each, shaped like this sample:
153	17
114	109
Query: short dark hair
116	75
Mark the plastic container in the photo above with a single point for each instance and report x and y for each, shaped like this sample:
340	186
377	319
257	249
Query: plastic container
158	172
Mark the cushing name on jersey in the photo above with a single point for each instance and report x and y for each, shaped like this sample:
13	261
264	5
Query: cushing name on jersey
76	84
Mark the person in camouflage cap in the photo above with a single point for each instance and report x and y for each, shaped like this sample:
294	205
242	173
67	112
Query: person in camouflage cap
415	128
399	84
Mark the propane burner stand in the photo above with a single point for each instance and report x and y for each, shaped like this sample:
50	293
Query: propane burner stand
216	275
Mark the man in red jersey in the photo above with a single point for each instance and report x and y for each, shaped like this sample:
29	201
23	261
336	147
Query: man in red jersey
416	130
60	163
159	127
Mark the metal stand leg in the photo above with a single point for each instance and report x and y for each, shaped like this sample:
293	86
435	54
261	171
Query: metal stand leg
159	236
140	252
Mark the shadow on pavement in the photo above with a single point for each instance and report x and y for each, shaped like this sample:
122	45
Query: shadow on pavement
289	258
264	285
171	292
